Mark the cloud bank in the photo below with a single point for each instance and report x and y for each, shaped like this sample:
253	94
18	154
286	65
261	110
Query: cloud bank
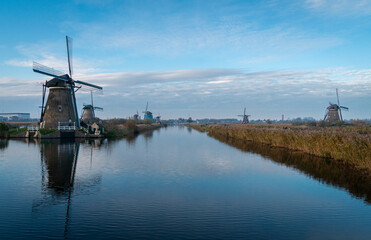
203	92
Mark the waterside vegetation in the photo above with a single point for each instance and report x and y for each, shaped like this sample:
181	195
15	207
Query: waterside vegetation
357	183
116	128
348	145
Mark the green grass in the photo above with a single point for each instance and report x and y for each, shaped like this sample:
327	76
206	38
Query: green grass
46	131
15	131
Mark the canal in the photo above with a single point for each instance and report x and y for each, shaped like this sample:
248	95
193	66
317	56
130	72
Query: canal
175	183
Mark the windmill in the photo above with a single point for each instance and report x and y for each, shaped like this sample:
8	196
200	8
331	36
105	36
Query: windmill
60	107
332	112
147	114
158	118
245	117
88	111
136	116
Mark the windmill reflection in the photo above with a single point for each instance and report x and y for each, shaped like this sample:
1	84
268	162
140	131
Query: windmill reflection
3	144
59	159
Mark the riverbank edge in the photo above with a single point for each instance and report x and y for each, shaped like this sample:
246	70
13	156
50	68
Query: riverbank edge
344	148
127	132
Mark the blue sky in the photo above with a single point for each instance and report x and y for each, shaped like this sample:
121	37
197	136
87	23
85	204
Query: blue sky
193	58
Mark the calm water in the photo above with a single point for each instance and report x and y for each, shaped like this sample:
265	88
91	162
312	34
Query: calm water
175	183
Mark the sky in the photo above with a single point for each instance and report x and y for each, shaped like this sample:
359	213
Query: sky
204	59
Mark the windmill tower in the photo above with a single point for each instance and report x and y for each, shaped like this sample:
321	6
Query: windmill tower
147	114
88	111
136	116
332	112
245	119
158	119
60	108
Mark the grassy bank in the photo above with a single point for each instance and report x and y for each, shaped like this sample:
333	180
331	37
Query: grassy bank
344	144
116	128
6	131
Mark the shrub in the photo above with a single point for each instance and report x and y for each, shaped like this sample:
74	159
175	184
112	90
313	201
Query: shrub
3	127
130	124
147	121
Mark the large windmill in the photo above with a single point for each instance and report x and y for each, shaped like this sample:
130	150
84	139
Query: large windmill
88	111
245	119
332	112
147	114
60	108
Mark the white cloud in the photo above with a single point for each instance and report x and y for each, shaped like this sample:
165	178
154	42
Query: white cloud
341	7
46	54
225	84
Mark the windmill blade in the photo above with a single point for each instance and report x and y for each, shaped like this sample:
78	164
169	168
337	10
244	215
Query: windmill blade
39	68
91	96
337	96
341	115
244	111
345	108
98	108
89	85
69	54
147	107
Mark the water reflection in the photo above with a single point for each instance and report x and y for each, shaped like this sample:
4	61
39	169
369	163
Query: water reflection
3	144
355	182
148	135
59	160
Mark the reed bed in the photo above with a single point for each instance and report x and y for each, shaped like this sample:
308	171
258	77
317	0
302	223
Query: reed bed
344	144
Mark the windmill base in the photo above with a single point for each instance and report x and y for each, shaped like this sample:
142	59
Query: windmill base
55	134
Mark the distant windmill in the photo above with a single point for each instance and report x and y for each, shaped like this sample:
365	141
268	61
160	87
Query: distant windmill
158	118
245	119
88	111
136	116
147	114
332	112
61	104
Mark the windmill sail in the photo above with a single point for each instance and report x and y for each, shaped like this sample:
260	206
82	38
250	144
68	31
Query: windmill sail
69	55
334	111
61	87
39	68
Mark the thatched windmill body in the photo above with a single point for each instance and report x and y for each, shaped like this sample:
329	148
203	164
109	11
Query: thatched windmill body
245	118
136	116
158	118
60	107
333	112
88	111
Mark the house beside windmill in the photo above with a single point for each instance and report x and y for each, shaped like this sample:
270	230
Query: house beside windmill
60	110
333	111
96	128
